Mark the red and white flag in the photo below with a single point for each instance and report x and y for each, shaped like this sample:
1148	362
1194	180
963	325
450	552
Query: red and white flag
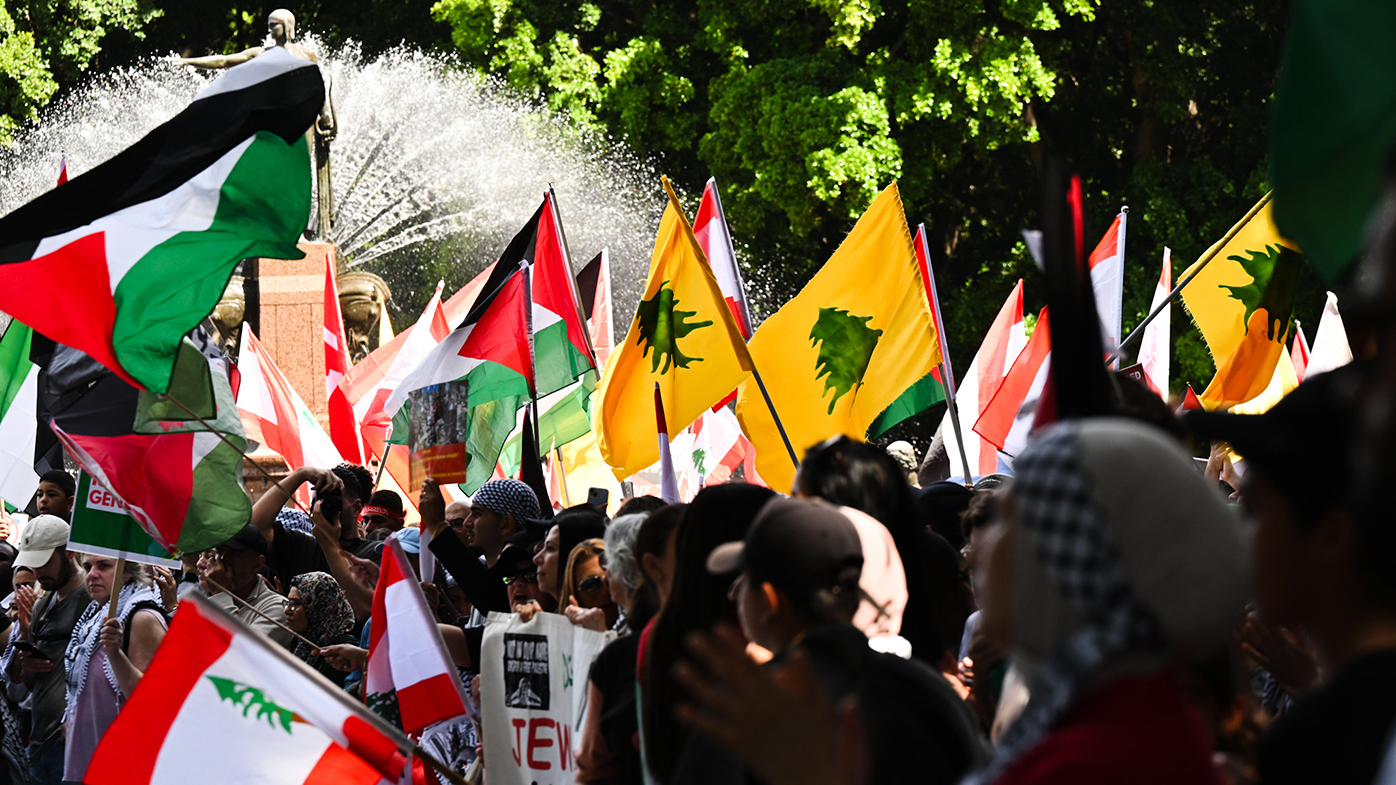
1008	419
719	446
714	237
1107	264
1190	401
669	481
1299	352
602	325
63	170
1157	342
344	429
410	677
274	414
221	703
1002	345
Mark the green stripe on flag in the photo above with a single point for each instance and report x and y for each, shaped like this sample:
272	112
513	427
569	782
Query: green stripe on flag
14	362
262	209
490	424
925	393
102	526
557	360
567	420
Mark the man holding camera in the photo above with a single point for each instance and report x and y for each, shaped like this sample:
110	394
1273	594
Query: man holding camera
346	487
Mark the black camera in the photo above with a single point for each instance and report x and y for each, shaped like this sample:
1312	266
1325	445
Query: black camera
331	504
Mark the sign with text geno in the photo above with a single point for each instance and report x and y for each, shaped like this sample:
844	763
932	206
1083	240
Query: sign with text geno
102	527
533	688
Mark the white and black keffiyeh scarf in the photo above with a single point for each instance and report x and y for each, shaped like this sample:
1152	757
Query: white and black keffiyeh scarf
87	633
1057	507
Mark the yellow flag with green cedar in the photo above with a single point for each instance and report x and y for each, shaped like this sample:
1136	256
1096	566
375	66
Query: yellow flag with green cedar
683	337
853	340
1243	302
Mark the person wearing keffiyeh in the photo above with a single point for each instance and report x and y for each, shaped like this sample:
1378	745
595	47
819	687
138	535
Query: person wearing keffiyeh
317	609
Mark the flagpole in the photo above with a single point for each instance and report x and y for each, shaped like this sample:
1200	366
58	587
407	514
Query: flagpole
562	476
281	653
532	355
116	582
253	608
1201	264
755	374
946	370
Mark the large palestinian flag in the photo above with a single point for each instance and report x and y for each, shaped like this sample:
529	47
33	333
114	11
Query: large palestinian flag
561	340
123	261
468	390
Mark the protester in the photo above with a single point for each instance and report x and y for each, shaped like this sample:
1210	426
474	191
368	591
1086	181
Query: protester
316	609
609	750
106	657
566	531
904	454
43	548
383	515
8	553
883	586
656	548
697	601
457	513
494	526
348	485
233	570
797	588
859	475
587	589
640	505
941	504
1323	569
55	494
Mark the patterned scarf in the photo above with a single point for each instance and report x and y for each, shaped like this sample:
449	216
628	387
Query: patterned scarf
1057	506
87	632
327	608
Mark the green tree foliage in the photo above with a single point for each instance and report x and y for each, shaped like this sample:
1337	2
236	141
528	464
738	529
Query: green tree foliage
48	44
803	109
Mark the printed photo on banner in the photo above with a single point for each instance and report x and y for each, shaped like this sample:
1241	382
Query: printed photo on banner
438	423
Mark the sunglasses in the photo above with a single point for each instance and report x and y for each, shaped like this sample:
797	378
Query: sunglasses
528	577
456	523
590	584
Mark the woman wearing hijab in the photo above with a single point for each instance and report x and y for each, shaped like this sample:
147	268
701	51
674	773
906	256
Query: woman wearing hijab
316	608
107	657
1110	561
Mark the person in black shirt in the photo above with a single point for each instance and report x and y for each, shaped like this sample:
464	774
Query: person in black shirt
294	552
496	517
1323	569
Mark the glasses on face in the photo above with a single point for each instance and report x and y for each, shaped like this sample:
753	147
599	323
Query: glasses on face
528	577
590	584
294	605
456	523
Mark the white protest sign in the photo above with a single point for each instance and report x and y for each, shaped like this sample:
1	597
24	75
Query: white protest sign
533	691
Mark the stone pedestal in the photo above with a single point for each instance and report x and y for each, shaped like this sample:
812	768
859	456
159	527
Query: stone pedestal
293	319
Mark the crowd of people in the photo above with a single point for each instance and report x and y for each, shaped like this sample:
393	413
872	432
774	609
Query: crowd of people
1111	612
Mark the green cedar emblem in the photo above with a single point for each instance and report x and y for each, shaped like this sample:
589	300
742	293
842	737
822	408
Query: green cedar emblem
700	460
250	698
1275	277
662	324
385	705
846	346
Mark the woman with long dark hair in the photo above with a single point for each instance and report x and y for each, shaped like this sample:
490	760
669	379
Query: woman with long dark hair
697	601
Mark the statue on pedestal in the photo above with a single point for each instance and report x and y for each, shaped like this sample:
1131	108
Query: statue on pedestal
281	25
363	299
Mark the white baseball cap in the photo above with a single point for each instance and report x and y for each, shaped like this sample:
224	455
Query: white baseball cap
41	537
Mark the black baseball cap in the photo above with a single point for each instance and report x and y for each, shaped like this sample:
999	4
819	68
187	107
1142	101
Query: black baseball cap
1310	432
248	538
799	546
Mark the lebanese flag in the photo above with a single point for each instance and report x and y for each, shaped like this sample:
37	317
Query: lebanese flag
719	446
221	703
1002	345
1299	352
1107	264
710	228
1157	342
181	481
594	286
410	677
124	260
561	338
274	414
344	429
669	482
1008	419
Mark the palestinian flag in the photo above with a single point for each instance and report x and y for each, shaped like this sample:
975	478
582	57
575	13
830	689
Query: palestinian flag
179	480
19	395
561	339
480	373
124	260
221	703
